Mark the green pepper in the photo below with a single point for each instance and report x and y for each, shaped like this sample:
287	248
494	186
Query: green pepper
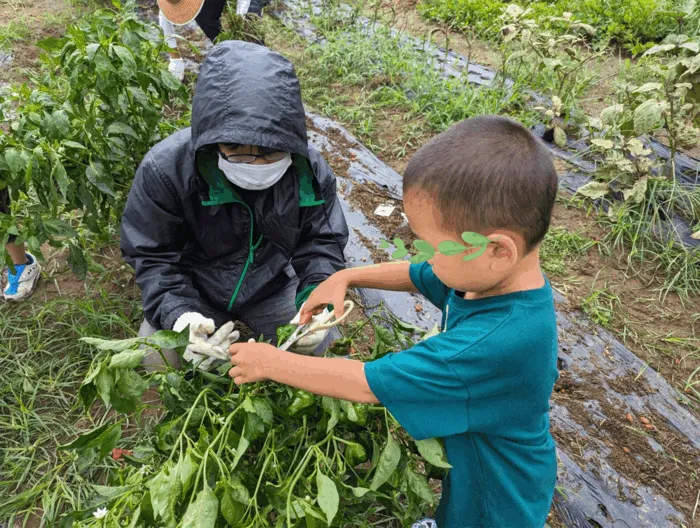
353	413
354	454
362	412
285	332
302	402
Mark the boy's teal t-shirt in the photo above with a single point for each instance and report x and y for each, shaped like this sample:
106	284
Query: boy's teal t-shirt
483	385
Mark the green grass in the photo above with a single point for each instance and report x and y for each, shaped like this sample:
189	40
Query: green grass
560	247
632	24
378	75
15	30
600	306
42	364
643	232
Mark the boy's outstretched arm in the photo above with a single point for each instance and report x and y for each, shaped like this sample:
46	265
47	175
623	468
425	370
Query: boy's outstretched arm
392	276
334	377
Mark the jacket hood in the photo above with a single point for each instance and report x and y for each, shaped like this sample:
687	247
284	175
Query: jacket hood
248	94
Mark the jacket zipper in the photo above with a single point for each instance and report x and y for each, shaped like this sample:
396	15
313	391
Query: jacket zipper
251	255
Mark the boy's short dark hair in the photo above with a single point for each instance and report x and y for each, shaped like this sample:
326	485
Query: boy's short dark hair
488	172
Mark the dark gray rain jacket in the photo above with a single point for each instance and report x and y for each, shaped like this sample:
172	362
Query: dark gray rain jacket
192	237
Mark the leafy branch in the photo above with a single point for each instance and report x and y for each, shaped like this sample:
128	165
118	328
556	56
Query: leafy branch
425	251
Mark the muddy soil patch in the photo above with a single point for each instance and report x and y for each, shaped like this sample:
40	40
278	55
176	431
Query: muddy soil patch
378	255
642	447
27	22
368	197
664	334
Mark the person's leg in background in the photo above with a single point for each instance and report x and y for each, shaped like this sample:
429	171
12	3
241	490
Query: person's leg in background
256	6
177	65
20	284
209	18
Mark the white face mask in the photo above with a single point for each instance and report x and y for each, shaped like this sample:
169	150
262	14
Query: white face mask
255	177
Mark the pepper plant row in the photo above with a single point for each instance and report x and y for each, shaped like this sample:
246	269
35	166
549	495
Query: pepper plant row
77	130
263	455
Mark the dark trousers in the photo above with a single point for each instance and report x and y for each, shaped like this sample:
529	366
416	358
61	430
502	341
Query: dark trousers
209	18
5	208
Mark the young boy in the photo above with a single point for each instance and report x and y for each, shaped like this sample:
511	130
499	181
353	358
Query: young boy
482	384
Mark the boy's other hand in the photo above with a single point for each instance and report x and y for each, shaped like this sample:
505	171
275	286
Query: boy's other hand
331	291
251	361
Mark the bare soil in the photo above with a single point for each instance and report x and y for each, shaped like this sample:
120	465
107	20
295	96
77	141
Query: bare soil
30	10
44	19
633	442
58	280
368	197
655	331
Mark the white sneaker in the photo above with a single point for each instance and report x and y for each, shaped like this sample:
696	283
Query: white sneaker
177	68
21	284
424	523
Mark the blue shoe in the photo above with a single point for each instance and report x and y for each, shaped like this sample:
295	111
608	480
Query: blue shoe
424	523
22	282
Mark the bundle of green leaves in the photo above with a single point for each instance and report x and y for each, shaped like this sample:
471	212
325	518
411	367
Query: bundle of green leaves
262	455
76	133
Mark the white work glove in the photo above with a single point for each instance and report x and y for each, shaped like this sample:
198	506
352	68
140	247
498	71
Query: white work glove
203	350
307	345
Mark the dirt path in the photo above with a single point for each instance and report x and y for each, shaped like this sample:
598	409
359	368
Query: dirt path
22	24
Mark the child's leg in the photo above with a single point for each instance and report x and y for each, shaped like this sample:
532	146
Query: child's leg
20	284
17	252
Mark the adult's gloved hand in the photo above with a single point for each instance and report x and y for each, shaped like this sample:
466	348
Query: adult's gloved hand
307	345
203	350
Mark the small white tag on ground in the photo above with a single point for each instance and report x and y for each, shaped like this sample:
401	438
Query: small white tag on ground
384	210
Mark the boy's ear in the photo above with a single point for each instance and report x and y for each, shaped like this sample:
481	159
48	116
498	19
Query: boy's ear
504	246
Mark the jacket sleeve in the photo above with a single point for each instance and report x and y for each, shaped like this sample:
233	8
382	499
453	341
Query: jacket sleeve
153	240
320	251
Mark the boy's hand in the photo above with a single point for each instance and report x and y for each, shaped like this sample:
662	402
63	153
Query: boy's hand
251	361
331	291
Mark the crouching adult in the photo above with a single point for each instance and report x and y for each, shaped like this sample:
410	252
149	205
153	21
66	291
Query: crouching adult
236	217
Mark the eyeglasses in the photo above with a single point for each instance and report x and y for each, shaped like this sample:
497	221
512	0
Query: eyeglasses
266	153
